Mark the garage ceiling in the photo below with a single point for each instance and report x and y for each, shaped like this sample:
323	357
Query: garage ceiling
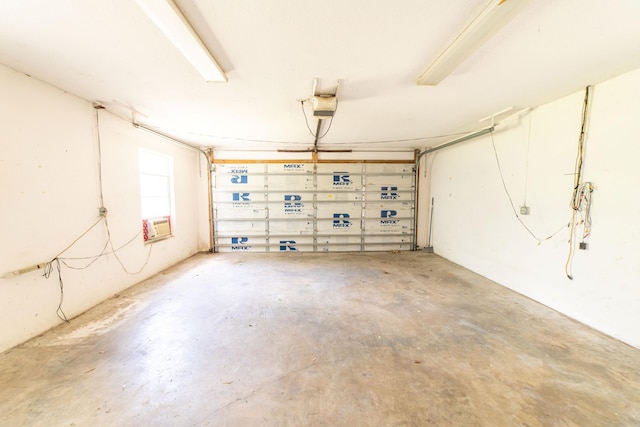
271	51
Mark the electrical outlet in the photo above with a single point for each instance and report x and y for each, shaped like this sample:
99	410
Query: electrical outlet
524	210
584	246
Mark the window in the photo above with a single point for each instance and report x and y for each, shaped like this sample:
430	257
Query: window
156	190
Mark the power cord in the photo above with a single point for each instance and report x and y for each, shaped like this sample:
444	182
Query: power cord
57	260
47	273
581	196
513	207
306	120
48	269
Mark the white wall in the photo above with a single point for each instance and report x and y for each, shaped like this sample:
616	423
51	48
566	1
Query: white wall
475	226
49	195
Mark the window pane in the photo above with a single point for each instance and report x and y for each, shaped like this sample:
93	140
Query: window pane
153	163
153	207
154	186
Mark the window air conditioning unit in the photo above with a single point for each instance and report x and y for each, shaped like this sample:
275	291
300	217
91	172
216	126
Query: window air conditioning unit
157	228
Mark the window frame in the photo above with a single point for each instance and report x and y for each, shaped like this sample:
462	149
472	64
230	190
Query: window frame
153	223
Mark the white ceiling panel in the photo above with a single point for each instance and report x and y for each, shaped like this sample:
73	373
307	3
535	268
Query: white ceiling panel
271	51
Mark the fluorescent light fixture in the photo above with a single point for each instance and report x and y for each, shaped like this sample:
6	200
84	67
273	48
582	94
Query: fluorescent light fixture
492	17
166	15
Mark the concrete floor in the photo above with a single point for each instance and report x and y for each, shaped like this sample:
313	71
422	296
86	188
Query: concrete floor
386	339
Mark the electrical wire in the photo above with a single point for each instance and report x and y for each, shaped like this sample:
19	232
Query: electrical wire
79	237
98	108
330	122
513	207
106	221
268	141
48	269
306	120
526	169
115	253
93	259
47	273
580	206
57	259
578	202
584	208
104	250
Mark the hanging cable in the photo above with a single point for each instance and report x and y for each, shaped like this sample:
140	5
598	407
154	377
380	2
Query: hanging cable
57	259
526	169
47	273
115	253
109	242
513	207
330	121
584	208
306	120
580	204
79	237
99	107
157	130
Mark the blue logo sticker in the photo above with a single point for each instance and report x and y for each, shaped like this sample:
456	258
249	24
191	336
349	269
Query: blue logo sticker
241	197
292	204
341	178
389	193
386	217
239	244
240	179
287	245
341	220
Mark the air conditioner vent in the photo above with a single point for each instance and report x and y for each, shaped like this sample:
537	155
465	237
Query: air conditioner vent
156	228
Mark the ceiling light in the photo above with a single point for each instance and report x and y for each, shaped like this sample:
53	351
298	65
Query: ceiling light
493	16
166	15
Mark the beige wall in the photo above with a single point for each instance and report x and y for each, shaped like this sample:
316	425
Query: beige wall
49	195
475	226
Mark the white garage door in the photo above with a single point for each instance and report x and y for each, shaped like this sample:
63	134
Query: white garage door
278	206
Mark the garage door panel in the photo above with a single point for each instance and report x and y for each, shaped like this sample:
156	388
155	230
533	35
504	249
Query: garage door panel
403	181
339	226
288	226
290	182
292	244
376	169
290	209
339	196
235	226
239	199
243	244
236	177
385	211
286	207
293	168
390	226
240	214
